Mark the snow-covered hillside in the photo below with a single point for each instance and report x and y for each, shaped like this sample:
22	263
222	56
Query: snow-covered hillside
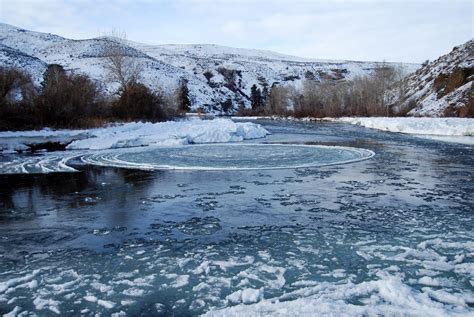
214	73
443	87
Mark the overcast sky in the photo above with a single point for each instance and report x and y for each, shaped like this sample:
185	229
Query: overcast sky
408	31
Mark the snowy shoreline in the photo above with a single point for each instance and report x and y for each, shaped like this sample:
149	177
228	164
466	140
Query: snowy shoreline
136	134
457	130
220	130
454	130
409	125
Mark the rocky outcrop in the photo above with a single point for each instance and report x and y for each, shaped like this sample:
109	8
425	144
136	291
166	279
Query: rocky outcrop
444	87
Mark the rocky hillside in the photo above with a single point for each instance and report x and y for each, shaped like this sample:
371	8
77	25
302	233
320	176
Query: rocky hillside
215	74
444	87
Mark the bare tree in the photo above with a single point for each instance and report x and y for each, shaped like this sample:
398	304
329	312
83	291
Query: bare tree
384	76
12	79
121	61
321	99
279	100
398	90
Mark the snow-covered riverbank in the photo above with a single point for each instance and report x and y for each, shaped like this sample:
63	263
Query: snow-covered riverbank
457	130
425	126
137	134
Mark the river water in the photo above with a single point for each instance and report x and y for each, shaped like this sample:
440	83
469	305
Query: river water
389	235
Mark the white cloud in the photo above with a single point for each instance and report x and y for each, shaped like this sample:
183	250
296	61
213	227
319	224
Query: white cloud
351	29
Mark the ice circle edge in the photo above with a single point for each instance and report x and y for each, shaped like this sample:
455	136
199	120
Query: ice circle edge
112	158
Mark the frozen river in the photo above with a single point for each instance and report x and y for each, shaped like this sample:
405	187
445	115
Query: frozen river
388	234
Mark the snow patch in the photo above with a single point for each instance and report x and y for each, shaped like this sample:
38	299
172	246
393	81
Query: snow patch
138	134
388	295
452	127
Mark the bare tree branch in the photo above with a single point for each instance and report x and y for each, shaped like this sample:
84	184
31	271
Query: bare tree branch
123	67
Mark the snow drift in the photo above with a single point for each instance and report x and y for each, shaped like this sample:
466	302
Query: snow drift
137	134
421	126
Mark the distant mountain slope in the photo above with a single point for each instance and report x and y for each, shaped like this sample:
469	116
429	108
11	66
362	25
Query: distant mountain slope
214	73
14	58
444	87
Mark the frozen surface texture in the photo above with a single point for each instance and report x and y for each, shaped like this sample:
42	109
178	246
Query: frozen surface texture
391	236
230	157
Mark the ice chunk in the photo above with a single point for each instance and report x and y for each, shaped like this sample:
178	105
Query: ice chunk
137	134
166	133
246	296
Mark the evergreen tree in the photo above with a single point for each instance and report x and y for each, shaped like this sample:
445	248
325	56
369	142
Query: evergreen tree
255	97
182	98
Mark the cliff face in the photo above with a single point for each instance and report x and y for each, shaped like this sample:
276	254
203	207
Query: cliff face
443	87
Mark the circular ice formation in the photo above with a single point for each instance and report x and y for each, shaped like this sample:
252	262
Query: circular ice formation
229	157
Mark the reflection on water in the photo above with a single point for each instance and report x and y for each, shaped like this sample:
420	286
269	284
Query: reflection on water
23	196
189	242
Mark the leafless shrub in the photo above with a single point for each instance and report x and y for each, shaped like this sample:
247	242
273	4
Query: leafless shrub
208	74
16	100
363	96
280	100
138	102
15	85
67	99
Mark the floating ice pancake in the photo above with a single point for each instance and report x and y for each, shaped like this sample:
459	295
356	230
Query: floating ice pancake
229	157
237	156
